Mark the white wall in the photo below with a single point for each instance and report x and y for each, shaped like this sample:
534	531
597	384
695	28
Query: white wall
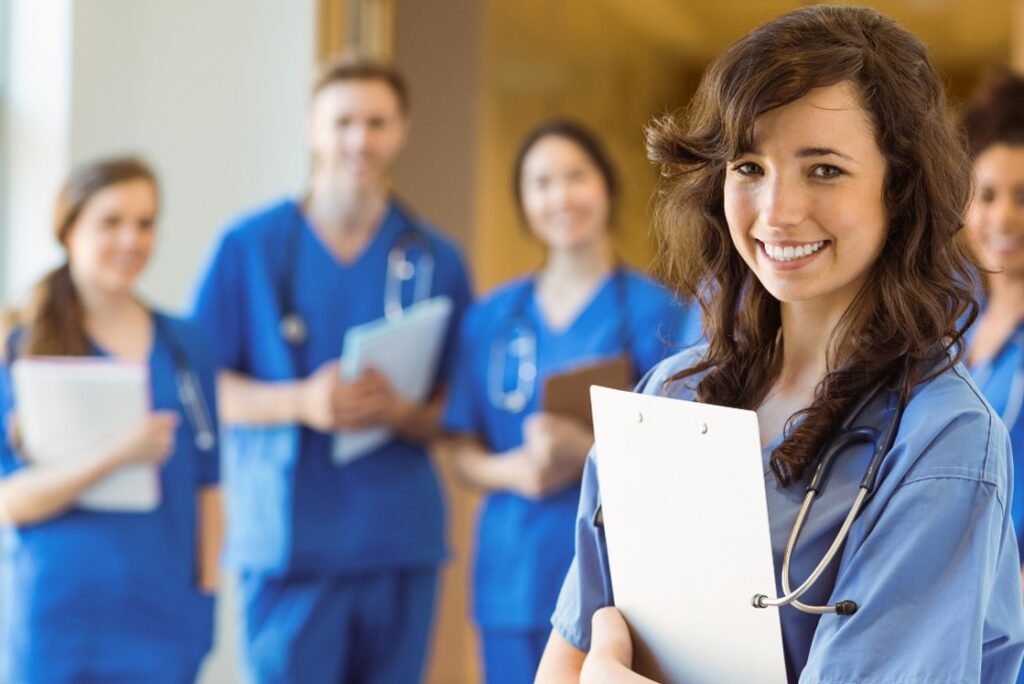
213	94
37	111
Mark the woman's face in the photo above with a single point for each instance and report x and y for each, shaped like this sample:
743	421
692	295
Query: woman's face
995	219
805	206
565	198
110	243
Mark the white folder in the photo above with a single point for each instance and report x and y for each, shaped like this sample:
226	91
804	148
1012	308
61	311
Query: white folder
406	351
686	523
70	408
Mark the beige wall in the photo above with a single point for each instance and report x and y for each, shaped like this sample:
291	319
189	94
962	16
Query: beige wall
437	47
575	58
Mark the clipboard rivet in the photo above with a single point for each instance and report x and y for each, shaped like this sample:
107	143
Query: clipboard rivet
639	417
703	428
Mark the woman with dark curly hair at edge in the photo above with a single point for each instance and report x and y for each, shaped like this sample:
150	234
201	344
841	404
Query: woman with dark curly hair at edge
993	120
812	195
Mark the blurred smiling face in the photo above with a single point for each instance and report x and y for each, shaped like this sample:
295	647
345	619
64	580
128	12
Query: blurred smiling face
805	205
356	131
995	219
565	197
110	243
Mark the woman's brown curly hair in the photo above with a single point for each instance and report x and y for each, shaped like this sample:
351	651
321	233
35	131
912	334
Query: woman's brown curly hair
904	326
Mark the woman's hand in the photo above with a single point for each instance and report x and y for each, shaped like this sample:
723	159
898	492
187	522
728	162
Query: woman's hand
611	651
152	440
556	440
552	457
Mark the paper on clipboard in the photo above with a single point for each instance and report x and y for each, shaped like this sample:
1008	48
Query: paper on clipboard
406	351
70	407
686	522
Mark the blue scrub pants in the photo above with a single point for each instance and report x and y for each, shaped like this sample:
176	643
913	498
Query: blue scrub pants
329	629
512	656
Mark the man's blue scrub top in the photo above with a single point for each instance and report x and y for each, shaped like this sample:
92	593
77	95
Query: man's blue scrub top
291	508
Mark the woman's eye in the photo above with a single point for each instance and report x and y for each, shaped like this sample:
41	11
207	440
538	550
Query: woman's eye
826	171
747	169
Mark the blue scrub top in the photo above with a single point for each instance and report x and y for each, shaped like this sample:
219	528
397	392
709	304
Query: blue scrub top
931	560
1002	382
291	507
524	546
115	590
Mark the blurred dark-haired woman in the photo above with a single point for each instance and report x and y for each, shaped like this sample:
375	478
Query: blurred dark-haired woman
111	595
993	120
581	307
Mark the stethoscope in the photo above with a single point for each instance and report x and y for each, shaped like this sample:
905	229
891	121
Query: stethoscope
190	393
516	344
400	270
847	437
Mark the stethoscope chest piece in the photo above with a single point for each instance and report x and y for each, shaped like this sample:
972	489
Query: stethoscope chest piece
293	328
205	440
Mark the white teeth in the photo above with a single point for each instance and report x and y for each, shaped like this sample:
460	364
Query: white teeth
791	253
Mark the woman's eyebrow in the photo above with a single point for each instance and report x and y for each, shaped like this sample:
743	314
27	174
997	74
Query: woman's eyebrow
821	152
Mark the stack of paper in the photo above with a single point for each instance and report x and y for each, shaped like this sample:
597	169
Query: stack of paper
78	407
406	351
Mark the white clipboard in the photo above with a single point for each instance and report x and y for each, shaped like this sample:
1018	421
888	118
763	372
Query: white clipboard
686	523
75	406
406	351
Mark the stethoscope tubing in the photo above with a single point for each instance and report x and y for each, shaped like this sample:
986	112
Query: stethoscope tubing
190	394
516	399
292	327
848	437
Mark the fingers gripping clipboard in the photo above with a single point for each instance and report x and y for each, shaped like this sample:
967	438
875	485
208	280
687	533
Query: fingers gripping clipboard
686	523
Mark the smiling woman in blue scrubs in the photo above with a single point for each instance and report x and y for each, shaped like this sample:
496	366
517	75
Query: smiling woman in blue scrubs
581	307
337	562
994	122
816	180
111	596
